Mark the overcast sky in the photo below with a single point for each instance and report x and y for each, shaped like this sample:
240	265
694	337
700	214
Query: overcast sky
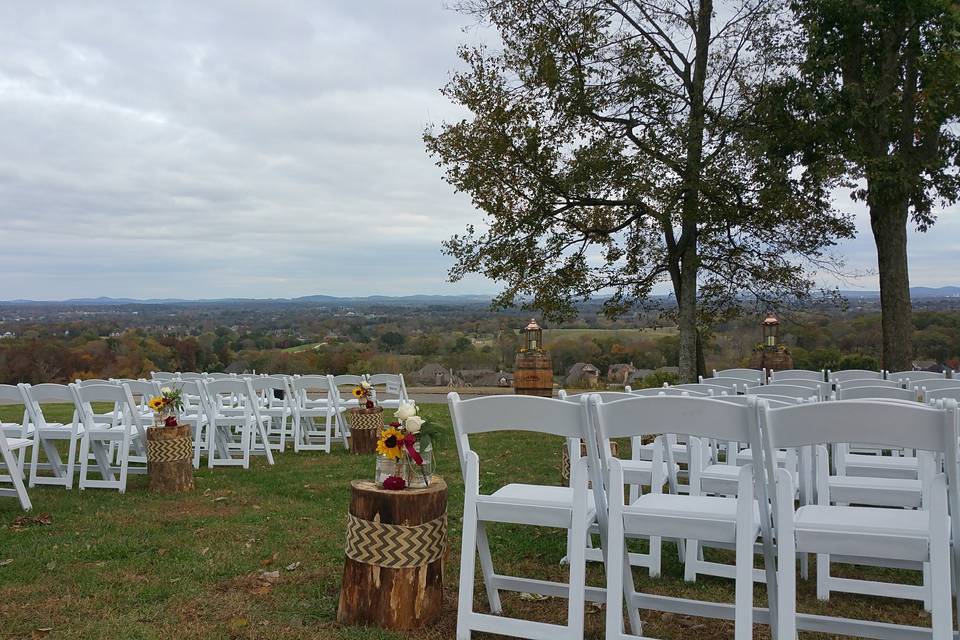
254	149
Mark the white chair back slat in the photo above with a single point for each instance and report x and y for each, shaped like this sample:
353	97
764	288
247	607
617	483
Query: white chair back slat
865	392
909	377
797	374
752	376
853	374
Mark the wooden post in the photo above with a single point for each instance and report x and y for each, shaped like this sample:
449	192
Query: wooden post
170	459
396	543
365	427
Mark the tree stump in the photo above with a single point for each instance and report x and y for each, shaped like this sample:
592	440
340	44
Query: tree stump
396	543
365	427
170	459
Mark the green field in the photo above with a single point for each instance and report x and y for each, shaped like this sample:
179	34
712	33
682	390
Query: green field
138	565
553	334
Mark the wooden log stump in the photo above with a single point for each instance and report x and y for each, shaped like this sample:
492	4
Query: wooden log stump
396	543
170	459
365	427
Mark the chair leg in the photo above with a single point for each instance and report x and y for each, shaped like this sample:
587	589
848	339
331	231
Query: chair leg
743	625
691	560
12	466
35	459
655	547
486	566
467	571
71	462
84	460
823	576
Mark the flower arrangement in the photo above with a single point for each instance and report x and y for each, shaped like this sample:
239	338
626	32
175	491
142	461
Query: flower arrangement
365	395
165	406
406	441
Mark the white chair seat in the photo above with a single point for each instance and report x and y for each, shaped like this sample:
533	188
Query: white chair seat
863	531
881	466
885	492
55	430
18	443
746	455
641	471
679	452
13	429
531	504
680	516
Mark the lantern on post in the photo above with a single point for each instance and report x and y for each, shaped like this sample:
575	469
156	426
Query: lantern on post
534	337
771	331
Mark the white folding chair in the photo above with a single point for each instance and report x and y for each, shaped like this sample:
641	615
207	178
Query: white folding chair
705	388
194	413
162	376
390	388
942	394
525	504
855	383
234	423
797	374
275	402
127	432
733	385
48	434
12	395
899	536
738	521
651	470
751	376
723	480
308	406
820	388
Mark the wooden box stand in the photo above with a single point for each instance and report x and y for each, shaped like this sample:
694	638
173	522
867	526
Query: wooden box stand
170	459
396	542
533	374
365	427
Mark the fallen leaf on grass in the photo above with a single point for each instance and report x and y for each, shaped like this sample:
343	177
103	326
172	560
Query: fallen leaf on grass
42	632
4	563
161	552
266	562
22	522
204	551
257	507
291	567
220	499
51	566
270	576
536	597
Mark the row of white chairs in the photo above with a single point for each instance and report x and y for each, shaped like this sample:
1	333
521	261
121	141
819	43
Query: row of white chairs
765	376
231	418
721	515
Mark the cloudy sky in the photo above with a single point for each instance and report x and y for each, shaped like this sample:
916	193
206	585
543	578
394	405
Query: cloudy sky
254	149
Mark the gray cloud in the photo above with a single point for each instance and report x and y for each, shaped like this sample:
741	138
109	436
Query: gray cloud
240	148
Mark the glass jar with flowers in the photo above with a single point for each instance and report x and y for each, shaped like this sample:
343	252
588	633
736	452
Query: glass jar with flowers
405	450
166	406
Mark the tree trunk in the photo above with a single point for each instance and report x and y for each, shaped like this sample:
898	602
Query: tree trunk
687	321
889	222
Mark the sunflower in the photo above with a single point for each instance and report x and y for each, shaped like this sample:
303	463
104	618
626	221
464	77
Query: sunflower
156	403
389	443
359	392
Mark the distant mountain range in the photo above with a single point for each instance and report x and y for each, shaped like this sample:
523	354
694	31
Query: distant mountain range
400	300
916	293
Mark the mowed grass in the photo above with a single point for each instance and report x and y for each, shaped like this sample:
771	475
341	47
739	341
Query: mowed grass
140	565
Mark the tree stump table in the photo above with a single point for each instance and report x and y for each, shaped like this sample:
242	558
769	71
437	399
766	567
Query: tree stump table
365	427
396	542
170	459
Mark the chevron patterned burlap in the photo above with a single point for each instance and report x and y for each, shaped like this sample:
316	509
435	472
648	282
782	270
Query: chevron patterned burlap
170	450
395	546
361	421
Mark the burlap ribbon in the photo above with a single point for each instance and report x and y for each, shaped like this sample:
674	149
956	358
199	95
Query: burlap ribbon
395	546
170	450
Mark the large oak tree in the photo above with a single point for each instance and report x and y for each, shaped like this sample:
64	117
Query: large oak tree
880	89
613	145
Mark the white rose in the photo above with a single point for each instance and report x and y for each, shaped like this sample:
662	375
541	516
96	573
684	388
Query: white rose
365	385
413	424
166	390
406	409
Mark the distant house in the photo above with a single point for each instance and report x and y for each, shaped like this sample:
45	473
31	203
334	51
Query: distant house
495	379
619	373
929	365
582	375
637	375
238	366
434	375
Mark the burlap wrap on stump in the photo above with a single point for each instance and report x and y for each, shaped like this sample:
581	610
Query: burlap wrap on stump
170	450
395	546
362	421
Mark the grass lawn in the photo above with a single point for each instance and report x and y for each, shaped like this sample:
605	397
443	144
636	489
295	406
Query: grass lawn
145	566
